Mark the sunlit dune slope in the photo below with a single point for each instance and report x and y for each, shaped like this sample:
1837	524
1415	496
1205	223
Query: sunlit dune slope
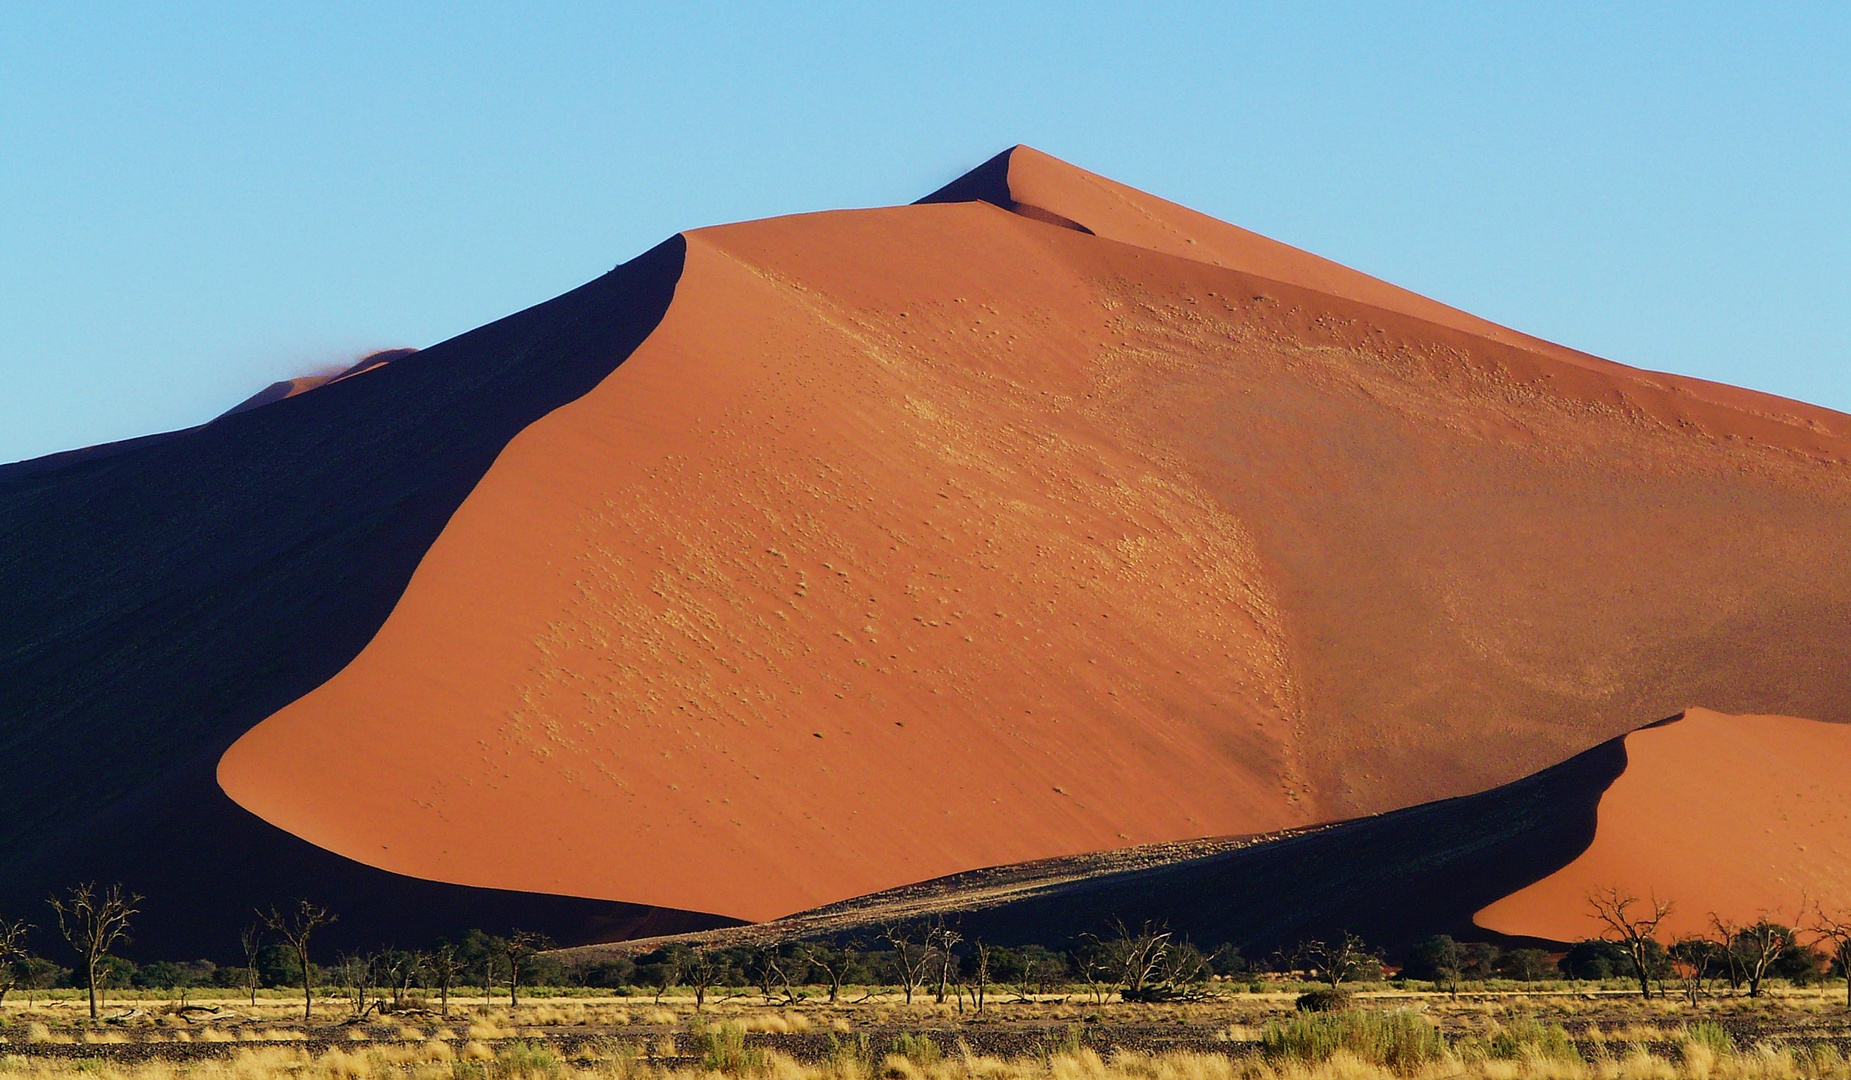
927	538
1738	817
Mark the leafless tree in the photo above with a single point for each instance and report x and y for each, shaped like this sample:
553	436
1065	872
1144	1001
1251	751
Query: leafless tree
446	967
942	938
1759	945
353	974
1629	927
980	992
13	955
296	926
768	971
396	970
94	921
251	940
1339	959
1834	928
1135	956
912	956
1693	959
834	965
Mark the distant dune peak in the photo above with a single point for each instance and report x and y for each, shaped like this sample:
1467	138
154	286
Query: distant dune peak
302	384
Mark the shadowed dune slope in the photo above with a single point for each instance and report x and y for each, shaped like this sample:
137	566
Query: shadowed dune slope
1736	816
928	538
159	598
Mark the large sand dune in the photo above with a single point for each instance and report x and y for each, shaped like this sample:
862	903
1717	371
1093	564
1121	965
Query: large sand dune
927	538
811	557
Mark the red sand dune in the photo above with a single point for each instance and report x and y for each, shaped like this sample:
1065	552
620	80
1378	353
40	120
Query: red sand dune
1739	816
935	537
302	384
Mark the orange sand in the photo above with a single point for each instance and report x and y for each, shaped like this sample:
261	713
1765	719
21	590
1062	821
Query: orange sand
1737	815
928	538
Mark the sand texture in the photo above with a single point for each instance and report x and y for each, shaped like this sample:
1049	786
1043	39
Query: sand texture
929	538
1738	817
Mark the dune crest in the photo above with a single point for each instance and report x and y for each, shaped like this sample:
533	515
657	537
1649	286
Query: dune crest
1740	816
928	538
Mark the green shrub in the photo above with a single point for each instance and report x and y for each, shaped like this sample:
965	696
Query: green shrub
1711	1036
524	1061
1526	1038
1402	1041
918	1049
723	1050
1327	1000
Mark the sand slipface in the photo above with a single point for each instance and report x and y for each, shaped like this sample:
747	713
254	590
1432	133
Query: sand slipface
1737	816
929	538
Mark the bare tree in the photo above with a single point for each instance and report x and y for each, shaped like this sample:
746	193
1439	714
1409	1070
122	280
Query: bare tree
94	921
943	938
296	926
446	967
521	947
14	957
980	992
1633	930
1339	959
1134	957
834	965
251	940
1759	945
911	955
396	970
1693	959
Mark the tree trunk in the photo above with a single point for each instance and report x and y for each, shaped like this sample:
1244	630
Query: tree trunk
90	967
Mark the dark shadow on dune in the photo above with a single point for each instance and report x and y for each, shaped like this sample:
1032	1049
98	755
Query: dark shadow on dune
989	182
159	598
1394	878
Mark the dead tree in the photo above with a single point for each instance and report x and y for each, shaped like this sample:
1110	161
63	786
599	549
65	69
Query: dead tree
1759	945
1633	930
1339	959
446	967
1693	958
94	921
834	966
296	926
943	939
251	940
13	956
1135	957
912	956
980	993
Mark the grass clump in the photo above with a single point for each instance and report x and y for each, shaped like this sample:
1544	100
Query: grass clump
1525	1039
521	1060
723	1049
1401	1041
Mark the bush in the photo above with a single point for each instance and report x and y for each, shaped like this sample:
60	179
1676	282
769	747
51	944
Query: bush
1525	1039
1711	1036
1437	959
918	1049
524	1061
1402	1041
1325	1000
724	1050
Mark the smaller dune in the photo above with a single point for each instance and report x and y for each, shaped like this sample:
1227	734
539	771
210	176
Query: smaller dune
302	384
1740	816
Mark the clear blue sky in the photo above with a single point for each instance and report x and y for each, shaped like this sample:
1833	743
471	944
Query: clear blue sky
195	200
